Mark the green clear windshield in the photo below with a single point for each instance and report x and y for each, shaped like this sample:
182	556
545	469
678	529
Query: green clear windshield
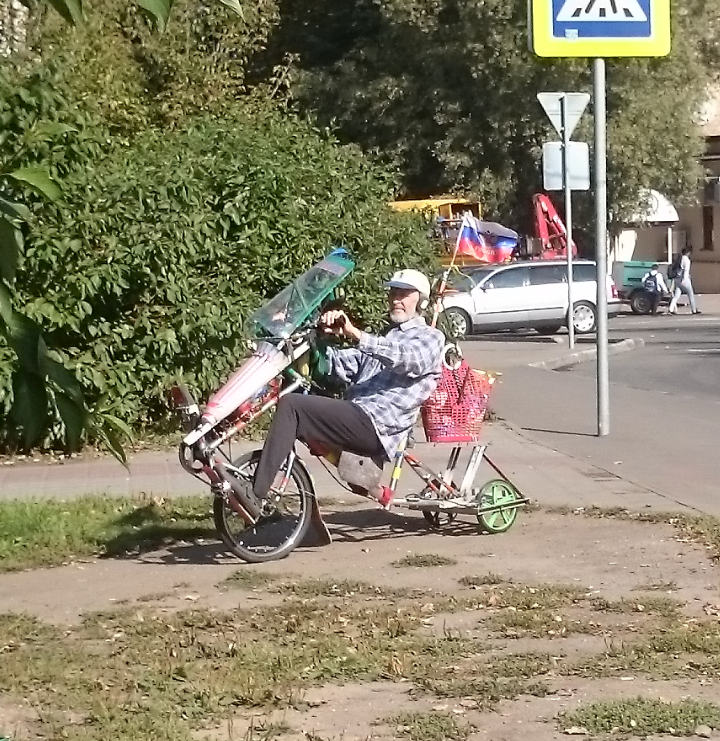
287	311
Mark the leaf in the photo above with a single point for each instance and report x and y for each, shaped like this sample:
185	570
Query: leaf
159	10
70	10
74	418
110	440
6	312
65	380
38	179
49	130
235	6
25	338
117	424
11	242
14	210
30	405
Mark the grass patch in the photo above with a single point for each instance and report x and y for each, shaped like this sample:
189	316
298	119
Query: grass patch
424	560
147	674
644	717
678	650
662	606
478	682
657	586
262	730
249	577
537	624
48	532
313	588
154	597
520	666
540	597
485	580
429	727
542	611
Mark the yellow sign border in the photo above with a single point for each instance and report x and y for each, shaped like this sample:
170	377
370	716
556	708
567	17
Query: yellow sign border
544	44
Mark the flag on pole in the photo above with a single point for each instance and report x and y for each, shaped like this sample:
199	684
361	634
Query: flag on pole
469	241
485	241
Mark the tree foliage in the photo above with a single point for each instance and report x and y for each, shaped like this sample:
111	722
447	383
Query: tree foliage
131	77
446	89
158	11
161	246
160	192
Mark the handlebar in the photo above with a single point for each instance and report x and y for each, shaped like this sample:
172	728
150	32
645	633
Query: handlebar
301	334
337	324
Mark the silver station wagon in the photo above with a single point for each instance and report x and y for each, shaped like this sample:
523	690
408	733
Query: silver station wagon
524	295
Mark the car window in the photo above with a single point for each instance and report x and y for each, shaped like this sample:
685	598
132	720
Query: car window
542	275
466	280
512	278
583	273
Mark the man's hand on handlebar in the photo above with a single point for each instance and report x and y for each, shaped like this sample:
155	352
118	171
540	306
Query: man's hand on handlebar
336	322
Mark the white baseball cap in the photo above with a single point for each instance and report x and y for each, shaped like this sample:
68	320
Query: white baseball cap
412	280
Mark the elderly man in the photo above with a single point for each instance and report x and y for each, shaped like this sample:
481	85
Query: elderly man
390	376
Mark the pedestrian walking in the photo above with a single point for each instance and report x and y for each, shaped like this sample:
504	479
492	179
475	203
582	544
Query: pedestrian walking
683	283
654	285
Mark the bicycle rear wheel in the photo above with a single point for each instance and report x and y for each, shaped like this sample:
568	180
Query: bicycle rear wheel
276	535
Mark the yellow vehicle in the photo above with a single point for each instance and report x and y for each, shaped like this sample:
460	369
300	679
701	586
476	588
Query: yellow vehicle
440	207
446	212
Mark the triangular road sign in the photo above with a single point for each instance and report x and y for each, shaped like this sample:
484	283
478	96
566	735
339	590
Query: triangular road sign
576	104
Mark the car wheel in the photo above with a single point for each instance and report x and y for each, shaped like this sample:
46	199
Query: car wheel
457	323
640	302
584	317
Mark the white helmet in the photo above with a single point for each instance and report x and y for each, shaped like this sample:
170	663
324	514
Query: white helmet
410	279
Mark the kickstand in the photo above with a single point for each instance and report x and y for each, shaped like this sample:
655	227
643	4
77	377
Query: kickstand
319	534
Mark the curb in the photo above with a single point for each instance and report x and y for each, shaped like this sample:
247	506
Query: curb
536	339
589	354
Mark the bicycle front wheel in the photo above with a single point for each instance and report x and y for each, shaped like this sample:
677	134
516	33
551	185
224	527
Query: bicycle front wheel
275	535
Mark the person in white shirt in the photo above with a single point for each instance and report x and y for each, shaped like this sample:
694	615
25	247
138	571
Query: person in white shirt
654	285
683	284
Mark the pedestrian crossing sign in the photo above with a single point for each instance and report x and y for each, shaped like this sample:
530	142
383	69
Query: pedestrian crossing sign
599	28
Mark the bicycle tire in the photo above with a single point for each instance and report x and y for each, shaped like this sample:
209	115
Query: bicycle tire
496	493
224	515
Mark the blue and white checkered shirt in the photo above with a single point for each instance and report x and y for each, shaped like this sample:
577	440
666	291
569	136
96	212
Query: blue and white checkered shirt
391	376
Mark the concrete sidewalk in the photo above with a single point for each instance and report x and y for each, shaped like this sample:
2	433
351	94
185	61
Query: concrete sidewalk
544	475
542	471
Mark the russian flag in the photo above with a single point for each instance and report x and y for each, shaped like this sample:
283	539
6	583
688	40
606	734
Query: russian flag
486	241
470	242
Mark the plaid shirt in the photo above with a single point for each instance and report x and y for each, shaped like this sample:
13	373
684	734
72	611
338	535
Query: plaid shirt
391	376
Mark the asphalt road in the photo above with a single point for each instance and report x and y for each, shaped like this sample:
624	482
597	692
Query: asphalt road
681	355
664	408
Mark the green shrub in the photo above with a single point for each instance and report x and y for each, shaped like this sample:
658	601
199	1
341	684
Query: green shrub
162	246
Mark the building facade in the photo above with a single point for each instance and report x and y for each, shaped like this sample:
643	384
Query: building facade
666	230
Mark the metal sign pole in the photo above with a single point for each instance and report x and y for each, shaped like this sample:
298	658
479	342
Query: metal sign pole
603	386
568	215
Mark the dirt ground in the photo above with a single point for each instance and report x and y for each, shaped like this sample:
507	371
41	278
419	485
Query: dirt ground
619	561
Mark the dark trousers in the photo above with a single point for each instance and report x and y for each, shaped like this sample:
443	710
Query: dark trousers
655	297
330	422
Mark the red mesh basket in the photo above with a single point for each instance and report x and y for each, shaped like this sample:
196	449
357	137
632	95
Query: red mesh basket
456	410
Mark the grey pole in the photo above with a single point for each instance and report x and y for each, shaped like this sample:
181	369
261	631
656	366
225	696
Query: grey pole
603	386
568	215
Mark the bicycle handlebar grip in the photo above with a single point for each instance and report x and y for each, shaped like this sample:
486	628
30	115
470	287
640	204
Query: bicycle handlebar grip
337	324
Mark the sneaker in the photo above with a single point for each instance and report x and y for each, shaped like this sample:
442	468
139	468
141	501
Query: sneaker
697	311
